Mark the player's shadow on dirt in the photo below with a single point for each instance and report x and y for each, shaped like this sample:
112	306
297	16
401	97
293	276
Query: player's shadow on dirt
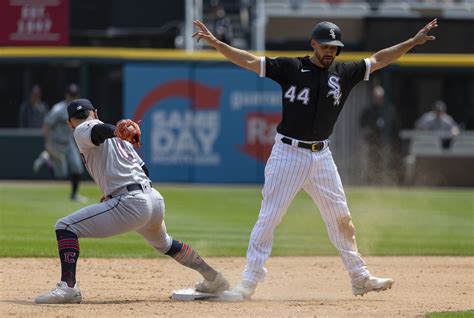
294	302
122	302
19	302
307	302
88	302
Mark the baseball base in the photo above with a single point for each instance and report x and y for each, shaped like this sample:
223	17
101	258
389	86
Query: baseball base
190	294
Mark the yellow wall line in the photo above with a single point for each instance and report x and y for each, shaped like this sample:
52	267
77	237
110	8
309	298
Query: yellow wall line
430	60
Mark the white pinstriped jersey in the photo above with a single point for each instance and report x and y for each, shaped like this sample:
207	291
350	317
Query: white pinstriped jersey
113	164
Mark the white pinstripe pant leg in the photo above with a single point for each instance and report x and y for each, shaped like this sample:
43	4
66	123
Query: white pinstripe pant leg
285	172
325	188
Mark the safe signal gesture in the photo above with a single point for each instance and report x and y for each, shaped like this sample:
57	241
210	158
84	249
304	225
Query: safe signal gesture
204	34
422	36
237	56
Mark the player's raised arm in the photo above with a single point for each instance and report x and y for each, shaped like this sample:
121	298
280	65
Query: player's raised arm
389	55
239	57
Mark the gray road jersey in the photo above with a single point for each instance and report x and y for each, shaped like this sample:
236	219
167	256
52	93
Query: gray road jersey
60	132
113	164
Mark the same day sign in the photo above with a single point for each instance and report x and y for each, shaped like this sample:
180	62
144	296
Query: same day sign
202	123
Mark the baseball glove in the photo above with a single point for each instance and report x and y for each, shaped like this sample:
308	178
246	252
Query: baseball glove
128	130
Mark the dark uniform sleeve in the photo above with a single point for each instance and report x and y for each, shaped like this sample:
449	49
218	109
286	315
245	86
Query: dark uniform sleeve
145	169
101	132
276	68
355	72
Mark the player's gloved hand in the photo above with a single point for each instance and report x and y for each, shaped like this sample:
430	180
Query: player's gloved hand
128	130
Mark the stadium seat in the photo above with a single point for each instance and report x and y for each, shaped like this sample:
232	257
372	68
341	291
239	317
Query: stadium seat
463	145
458	10
277	9
392	9
352	9
425	146
316	8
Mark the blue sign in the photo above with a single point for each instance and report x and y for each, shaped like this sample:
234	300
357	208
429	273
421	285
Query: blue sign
201	122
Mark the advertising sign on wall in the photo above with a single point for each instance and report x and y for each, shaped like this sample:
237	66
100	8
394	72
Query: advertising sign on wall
202	123
34	22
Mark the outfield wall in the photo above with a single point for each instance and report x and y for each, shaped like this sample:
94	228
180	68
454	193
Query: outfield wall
204	119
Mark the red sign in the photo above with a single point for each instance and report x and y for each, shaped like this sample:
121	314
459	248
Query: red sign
34	22
260	134
202	96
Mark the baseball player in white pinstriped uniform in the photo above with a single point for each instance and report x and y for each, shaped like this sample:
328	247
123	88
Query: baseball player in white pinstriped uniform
129	204
314	90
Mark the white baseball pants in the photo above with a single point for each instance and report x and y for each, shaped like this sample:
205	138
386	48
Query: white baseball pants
290	169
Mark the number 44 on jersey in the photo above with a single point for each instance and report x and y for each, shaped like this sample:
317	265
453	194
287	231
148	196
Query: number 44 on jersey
302	96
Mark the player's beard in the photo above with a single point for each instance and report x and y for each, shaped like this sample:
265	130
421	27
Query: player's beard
325	60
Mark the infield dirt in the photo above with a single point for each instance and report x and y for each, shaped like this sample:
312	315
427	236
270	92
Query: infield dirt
295	287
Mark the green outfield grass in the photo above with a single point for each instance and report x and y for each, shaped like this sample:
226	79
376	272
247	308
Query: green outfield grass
217	221
451	314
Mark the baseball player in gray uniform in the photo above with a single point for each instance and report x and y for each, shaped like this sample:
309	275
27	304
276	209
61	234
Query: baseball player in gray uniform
314	90
61	154
129	204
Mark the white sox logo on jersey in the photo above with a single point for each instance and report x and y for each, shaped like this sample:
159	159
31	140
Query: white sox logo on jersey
335	90
332	33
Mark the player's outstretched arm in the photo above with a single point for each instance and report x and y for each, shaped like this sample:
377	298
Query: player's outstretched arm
239	57
389	55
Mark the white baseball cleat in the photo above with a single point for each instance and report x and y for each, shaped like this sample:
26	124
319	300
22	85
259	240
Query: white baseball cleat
245	288
190	294
371	283
79	198
62	294
217	286
40	161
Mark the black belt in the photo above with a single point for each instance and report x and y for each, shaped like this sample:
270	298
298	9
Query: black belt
314	147
130	187
134	187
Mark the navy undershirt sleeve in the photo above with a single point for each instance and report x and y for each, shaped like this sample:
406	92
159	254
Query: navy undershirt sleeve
145	169
101	132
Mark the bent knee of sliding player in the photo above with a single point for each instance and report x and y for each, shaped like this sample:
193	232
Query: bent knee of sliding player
157	238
